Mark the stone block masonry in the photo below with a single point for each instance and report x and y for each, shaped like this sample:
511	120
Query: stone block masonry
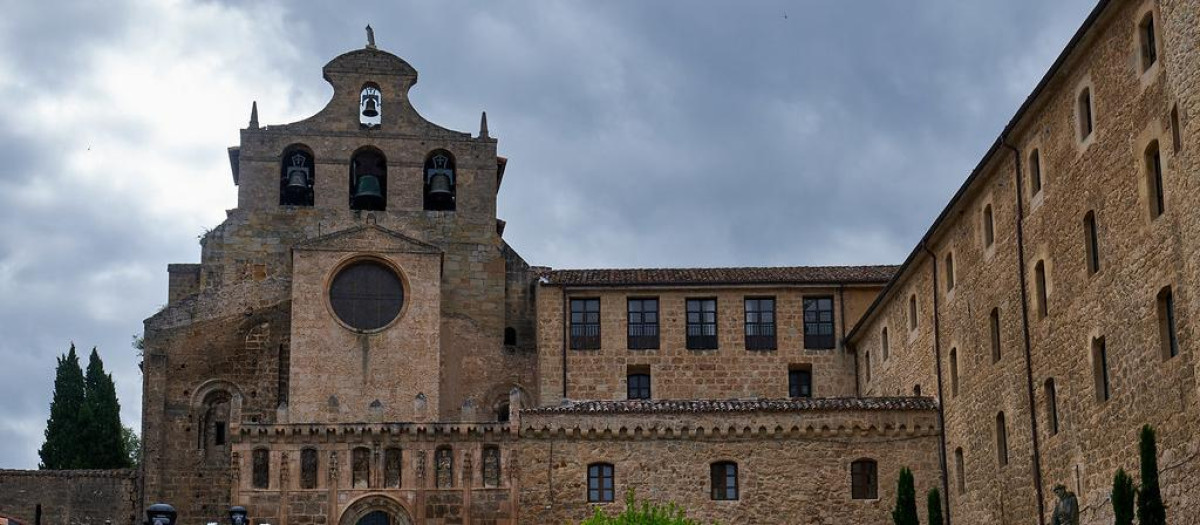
70	497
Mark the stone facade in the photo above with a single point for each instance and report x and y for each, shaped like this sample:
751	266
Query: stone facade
70	497
1046	374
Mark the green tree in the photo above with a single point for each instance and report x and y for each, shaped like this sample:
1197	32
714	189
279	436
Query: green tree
1150	509
1122	498
935	507
133	446
102	435
61	449
642	514
905	512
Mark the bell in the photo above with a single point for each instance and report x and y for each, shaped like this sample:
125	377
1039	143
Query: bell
297	180
370	109
367	194
439	186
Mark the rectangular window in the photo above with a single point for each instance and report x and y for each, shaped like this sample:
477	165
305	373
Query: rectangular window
1158	203
953	372
1168	336
818	323
1001	440
949	272
864	479
800	381
960	471
638	382
1100	369
600	483
1092	240
883	342
1035	172
1085	114
643	324
701	324
1052	406
1175	132
1149	41
760	323
1039	282
989	227
912	312
867	365
724	481
994	327
585	324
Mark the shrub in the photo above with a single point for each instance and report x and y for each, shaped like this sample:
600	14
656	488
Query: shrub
905	512
1150	509
644	513
1122	498
935	507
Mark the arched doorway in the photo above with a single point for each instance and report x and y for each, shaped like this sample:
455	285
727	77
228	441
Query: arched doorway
375	510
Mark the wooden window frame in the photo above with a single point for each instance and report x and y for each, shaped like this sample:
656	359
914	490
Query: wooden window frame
642	334
585	323
597	490
696	336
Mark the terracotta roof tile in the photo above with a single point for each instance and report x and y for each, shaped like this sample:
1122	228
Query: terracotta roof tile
766	405
717	276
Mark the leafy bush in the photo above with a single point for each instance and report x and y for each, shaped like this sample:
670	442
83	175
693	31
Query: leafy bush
643	513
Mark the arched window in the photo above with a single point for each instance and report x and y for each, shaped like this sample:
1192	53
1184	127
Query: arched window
1149	41
1001	440
370	106
502	413
368	180
724	480
391	468
440	181
360	468
296	177
600	482
491	466
308	468
443	461
510	336
864	479
261	468
214	425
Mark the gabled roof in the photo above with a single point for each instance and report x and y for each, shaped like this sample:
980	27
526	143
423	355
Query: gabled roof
731	406
368	237
720	276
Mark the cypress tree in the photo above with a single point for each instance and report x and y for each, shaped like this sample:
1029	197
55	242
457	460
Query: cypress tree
1150	509
1122	498
935	507
102	438
905	512
61	449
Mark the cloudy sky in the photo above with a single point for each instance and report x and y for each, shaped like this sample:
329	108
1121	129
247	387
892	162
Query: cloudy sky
696	133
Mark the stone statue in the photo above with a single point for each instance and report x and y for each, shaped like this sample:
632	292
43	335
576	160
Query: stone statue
370	37
1066	511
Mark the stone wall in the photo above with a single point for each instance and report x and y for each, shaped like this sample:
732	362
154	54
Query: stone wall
70	497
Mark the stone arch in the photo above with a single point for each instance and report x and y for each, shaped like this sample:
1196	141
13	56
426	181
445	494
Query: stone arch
499	398
215	406
397	513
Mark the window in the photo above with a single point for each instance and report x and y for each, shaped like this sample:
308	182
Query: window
296	177
1176	138
366	295
1154	180
502	413
867	365
360	463
1168	336
1051	405
213	438
443	459
949	272
953	372
724	481
760	323
1001	440
585	324
818	323
1039	283
883	342
510	336
994	327
638	381
989	227
491	466
391	467
960	471
1100	369
800	381
1092	242
1148	41
917	390
912	312
643	324
370	106
701	324
440	183
864	479
261	478
368	180
1084	113
309	464
1035	172
600	483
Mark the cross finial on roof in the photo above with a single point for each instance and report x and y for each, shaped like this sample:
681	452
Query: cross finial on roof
370	37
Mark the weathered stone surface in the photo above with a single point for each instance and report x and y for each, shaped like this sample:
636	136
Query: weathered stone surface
70	497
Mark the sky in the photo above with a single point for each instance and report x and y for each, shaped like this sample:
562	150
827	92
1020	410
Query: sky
639	134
